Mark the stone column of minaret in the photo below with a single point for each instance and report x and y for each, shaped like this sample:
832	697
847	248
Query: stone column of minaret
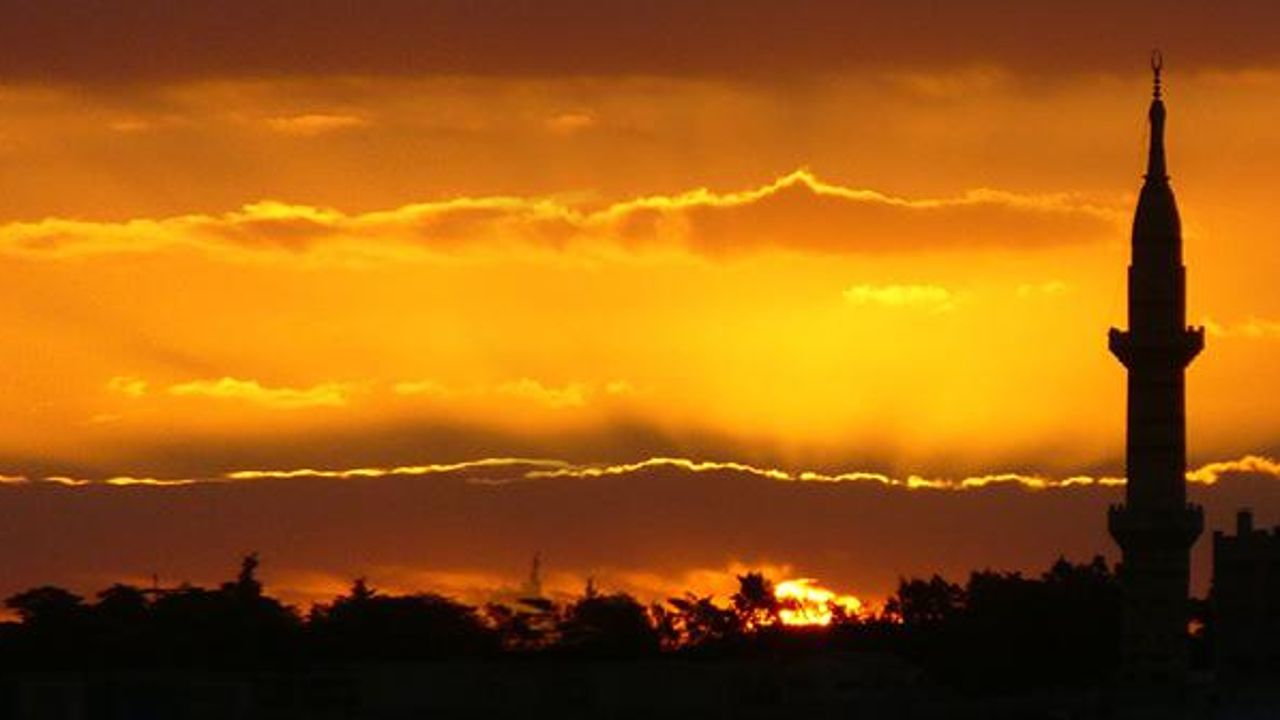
1156	527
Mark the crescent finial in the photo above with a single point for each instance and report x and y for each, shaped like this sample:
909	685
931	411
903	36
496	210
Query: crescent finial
1157	64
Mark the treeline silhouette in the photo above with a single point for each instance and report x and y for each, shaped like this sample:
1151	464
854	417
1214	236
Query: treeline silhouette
998	628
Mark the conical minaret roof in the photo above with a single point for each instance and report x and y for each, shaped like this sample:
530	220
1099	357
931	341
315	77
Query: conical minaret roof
1157	230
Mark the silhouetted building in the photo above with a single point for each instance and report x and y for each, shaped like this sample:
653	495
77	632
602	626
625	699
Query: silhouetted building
1155	526
1246	598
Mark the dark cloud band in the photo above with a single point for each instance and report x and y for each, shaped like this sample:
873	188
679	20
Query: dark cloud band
126	41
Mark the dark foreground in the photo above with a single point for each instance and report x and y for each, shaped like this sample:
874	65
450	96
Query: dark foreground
1000	646
838	686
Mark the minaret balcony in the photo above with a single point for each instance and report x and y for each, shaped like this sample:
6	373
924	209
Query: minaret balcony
1176	349
1173	528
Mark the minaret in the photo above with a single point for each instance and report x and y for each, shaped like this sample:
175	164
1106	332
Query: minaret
1156	527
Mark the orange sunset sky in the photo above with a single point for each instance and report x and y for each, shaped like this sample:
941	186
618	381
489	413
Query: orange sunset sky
413	290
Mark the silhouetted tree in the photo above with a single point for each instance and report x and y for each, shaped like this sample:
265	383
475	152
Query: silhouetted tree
246	586
235	625
1085	605
925	602
607	625
531	624
999	630
755	602
53	624
699	623
666	624
46	605
122	604
121	627
1004	626
367	625
1004	629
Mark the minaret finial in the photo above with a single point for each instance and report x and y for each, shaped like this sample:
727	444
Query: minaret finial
1155	158
1157	64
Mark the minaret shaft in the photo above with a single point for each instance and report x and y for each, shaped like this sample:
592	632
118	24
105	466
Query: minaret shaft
1155	527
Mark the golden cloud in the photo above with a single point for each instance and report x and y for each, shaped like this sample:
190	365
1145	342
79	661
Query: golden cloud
314	124
570	395
67	481
1252	329
694	466
1211	473
912	482
928	297
128	385
796	212
1049	288
435	469
126	481
283	398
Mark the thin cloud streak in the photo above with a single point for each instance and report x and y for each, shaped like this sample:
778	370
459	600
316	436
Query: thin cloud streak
126	481
502	471
437	469
693	466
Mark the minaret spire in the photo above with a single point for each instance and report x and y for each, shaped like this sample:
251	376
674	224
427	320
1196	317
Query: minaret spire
1156	171
1157	64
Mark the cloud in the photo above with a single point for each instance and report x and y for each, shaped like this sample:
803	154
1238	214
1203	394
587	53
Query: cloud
912	482
797	212
526	470
333	394
126	481
489	465
569	395
802	212
928	297
139	41
502	471
1252	329
250	391
684	464
127	385
66	481
570	123
422	387
1212	473
314	124
620	387
1049	288
130	125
